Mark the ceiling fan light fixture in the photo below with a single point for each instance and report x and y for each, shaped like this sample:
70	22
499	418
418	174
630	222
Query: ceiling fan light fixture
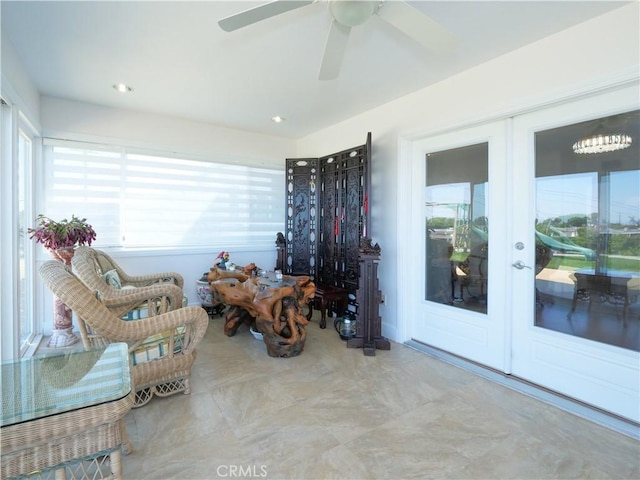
351	13
278	119
122	88
602	143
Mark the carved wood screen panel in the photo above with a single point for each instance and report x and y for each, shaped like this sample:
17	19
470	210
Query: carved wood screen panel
342	207
301	215
327	215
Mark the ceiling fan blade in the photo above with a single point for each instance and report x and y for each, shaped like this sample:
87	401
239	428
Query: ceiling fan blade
262	12
334	51
417	25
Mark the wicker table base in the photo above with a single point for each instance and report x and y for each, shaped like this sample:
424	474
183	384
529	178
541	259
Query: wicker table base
63	415
59	443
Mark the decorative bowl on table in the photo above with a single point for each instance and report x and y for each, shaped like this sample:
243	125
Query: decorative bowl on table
256	334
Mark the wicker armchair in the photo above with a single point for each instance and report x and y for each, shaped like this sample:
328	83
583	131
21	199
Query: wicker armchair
123	293
162	348
102	263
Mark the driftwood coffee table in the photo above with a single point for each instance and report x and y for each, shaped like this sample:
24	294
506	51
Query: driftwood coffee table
273	305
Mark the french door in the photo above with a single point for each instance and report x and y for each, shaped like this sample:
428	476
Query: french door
576	314
531	251
459	194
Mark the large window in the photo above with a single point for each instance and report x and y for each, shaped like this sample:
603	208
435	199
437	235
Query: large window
136	200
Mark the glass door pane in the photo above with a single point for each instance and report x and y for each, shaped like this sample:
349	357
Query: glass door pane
587	230
457	230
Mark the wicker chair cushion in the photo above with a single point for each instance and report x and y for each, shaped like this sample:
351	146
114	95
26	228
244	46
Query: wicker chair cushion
158	346
113	279
138	313
143	310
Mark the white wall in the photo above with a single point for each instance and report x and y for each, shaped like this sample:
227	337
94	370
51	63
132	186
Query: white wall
584	58
17	87
85	122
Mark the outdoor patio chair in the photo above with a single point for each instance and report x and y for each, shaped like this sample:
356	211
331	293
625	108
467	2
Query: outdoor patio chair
126	295
162	347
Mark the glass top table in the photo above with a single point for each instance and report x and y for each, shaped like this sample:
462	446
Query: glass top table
39	387
270	280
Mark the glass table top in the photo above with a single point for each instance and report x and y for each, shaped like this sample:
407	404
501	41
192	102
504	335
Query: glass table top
266	280
270	280
37	387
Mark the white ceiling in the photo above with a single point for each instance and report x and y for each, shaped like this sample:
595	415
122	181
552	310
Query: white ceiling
181	63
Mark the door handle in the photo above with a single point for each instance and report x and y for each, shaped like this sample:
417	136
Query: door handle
519	264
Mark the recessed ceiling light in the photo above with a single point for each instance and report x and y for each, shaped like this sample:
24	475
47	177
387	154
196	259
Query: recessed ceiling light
278	119
122	88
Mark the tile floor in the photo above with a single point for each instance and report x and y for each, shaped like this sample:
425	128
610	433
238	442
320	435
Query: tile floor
332	413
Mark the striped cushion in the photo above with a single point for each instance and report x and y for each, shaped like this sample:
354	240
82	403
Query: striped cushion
143	311
156	346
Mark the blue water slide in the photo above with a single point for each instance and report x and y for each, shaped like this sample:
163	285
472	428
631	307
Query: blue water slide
566	245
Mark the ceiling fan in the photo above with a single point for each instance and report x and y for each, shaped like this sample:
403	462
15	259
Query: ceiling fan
350	13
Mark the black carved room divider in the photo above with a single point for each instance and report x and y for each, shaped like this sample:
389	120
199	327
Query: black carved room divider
327	215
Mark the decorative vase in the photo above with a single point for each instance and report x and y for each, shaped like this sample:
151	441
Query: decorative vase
62	334
204	292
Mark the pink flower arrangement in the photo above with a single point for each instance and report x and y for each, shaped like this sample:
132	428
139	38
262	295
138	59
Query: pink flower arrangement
223	257
65	233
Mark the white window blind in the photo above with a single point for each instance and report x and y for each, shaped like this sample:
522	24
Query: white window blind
137	200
